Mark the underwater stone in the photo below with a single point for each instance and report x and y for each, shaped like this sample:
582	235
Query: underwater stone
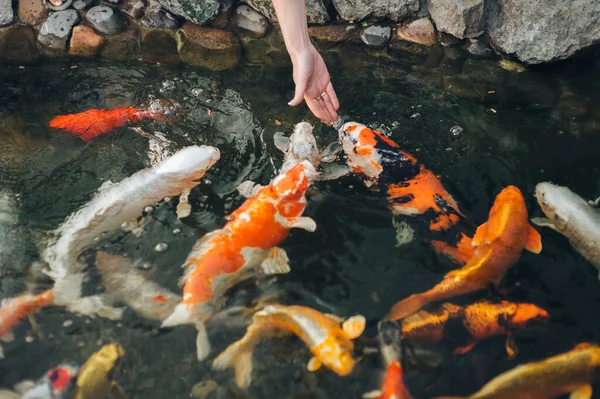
316	13
32	12
543	31
85	41
351	10
160	46
6	12
157	18
57	28
82	4
332	34
376	36
461	18
18	44
210	48
122	47
198	11
134	8
420	31
479	48
250	21
105	19
203	389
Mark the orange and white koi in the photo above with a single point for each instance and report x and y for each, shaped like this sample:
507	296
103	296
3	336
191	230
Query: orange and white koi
479	321
16	309
572	373
411	188
57	383
224	257
498	245
330	343
393	386
95	122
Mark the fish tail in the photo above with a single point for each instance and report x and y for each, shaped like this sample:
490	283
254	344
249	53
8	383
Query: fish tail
68	289
239	356
409	306
182	314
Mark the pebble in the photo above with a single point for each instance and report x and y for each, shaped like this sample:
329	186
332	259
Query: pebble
82	4
479	48
134	8
376	36
202	389
176	230
32	12
456	130
420	31
68	323
57	28
146	266
447	40
85	41
161	247
148	209
251	21
63	6
105	19
157	18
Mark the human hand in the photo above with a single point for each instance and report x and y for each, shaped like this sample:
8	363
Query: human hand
313	84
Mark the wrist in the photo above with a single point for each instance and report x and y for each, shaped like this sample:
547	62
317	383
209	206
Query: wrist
298	50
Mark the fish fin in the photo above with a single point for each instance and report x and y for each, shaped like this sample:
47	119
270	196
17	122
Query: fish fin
404	233
461	350
184	209
116	392
354	326
249	189
453	273
543	222
479	235
408	306
8	337
584	392
511	346
202	343
334	317
304	222
313	364
239	356
595	203
534	240
277	262
282	143
96	305
376	394
333	171
329	153
68	289
181	315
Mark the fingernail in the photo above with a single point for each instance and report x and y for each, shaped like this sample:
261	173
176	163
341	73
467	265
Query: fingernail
290	103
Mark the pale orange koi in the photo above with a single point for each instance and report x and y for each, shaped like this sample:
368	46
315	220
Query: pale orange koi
22	306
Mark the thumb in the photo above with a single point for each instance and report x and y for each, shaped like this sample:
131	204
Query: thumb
299	94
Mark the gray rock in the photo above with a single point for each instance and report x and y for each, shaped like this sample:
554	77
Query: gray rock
545	31
358	9
134	8
376	36
157	18
461	18
251	21
105	19
198	11
316	13
479	48
82	4
6	12
55	32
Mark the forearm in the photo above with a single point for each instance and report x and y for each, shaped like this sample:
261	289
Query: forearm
291	15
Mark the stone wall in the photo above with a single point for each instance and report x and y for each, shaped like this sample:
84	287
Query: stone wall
216	33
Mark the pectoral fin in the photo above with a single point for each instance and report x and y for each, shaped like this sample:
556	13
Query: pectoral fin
248	189
511	347
543	222
534	241
354	326
116	392
313	364
333	171
372	394
277	262
479	235
585	392
282	143
461	350
202	343
304	222
8	337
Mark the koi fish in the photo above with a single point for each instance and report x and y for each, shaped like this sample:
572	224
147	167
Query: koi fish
498	245
480	320
125	284
571	372
113	205
55	384
16	309
393	383
224	257
96	122
330	344
411	188
573	217
96	376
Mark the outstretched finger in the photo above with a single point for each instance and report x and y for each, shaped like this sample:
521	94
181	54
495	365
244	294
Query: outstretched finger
329	106
333	97
299	92
316	107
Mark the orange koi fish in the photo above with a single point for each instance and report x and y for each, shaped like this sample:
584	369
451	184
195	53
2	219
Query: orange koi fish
393	383
226	256
479	321
498	245
330	344
411	188
571	372
96	122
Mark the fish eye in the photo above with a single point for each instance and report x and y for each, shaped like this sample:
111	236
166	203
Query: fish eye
53	375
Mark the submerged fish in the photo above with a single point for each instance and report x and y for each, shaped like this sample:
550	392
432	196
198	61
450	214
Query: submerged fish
571	372
96	378
498	245
95	122
55	384
479	321
392	386
411	188
113	205
573	217
127	285
330	344
224	257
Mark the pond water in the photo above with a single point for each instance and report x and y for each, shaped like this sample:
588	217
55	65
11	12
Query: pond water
476	125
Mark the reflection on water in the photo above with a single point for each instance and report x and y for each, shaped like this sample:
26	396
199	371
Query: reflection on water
478	126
